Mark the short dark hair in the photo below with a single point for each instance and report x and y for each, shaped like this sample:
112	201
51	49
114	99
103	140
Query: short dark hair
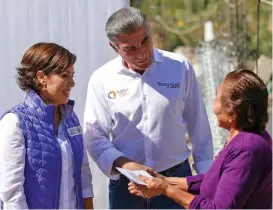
46	57
245	95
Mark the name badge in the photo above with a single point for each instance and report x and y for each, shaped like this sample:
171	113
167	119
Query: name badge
75	131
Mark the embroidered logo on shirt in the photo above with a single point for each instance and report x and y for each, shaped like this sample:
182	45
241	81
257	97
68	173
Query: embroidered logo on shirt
168	85
75	131
112	94
123	92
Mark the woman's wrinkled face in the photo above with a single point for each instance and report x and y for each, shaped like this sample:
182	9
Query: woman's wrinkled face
223	118
56	88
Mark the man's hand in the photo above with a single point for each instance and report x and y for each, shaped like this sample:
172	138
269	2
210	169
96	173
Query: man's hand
155	174
125	163
133	166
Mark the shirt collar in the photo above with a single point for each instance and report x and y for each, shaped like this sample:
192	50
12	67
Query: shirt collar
157	55
46	111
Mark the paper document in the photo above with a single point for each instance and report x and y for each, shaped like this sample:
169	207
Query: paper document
133	176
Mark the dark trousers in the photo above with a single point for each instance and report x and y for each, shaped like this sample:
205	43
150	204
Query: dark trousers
120	197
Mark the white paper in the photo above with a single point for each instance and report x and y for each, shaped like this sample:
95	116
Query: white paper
133	176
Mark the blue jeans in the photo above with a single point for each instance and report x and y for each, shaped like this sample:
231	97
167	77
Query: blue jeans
120	197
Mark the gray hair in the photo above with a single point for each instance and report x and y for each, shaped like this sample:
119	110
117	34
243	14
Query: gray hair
124	21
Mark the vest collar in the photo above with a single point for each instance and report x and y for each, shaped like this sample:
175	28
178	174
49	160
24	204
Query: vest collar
46	111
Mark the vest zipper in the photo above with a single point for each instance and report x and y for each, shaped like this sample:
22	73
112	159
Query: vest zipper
74	165
60	168
75	179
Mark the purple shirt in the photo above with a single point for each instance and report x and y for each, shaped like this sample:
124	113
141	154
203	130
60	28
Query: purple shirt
240	177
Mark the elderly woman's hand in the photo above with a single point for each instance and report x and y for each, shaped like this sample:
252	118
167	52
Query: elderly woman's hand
155	186
139	190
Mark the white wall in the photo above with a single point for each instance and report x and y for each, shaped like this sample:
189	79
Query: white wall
77	25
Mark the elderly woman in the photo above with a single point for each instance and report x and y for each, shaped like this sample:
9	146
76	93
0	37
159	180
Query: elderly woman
42	159
241	175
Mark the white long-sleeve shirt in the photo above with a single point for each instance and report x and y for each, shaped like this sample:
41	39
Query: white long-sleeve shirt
12	166
145	117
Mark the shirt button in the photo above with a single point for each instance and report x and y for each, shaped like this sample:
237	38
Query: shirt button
145	117
144	98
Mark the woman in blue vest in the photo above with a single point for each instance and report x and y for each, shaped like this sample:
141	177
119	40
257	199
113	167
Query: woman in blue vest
43	164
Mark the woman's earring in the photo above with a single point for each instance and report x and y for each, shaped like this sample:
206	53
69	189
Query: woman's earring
44	85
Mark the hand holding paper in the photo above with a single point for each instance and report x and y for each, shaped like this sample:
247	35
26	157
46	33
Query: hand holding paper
133	176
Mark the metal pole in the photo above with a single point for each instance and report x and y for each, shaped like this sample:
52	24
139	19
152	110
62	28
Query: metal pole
258	34
228	20
237	34
220	19
244	31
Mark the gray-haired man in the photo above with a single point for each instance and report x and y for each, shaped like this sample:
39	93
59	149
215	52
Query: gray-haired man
138	109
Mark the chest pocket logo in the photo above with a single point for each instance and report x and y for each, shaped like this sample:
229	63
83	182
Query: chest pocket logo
118	93
75	131
112	94
123	92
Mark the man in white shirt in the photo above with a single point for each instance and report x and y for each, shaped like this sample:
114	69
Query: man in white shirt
139	107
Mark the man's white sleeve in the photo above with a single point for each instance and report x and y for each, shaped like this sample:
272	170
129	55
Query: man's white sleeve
87	186
197	122
97	121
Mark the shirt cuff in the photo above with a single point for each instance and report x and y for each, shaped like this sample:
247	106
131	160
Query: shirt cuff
196	178
194	183
202	167
106	161
195	203
17	205
87	193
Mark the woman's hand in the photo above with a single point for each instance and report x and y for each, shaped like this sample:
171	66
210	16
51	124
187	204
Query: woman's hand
155	186
139	190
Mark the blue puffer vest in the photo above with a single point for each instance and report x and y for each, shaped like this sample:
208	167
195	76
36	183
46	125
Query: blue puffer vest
43	155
